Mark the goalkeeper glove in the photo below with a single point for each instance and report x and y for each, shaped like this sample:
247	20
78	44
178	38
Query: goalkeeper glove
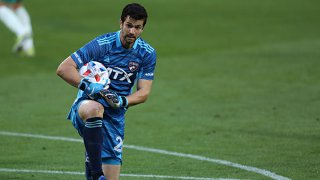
90	88
113	99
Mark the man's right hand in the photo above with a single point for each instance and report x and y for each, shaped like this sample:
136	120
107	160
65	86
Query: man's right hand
90	88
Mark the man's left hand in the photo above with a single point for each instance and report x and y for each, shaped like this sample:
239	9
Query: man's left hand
113	99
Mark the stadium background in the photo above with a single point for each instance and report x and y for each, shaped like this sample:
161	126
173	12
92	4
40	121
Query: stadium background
236	81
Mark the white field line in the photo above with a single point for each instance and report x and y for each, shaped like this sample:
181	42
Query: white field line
123	175
159	151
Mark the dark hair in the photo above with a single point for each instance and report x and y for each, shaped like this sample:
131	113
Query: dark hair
135	11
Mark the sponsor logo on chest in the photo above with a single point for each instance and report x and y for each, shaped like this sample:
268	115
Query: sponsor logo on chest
117	73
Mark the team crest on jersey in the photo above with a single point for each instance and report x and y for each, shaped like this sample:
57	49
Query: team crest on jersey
133	66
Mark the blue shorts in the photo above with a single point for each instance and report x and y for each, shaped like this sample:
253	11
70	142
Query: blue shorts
112	129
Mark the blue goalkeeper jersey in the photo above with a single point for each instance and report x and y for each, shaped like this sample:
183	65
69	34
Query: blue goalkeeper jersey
125	66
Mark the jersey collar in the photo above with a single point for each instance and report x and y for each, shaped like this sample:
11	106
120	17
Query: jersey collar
118	42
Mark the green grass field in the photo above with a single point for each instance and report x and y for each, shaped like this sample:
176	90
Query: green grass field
237	83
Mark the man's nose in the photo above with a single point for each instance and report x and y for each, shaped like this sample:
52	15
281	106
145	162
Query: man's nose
132	31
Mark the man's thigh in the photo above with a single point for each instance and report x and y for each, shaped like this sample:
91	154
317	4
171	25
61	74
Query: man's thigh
111	172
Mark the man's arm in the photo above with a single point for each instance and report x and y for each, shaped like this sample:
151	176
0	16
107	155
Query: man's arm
142	93
67	70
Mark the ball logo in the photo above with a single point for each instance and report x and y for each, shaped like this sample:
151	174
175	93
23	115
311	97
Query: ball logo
133	66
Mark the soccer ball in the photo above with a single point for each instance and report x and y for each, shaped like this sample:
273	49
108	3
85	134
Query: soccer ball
95	72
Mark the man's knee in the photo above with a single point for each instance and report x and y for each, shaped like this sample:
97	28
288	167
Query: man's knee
90	109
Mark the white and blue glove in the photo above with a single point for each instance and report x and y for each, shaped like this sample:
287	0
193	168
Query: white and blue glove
113	99
90	88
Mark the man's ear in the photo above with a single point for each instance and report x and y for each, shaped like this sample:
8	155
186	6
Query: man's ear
121	24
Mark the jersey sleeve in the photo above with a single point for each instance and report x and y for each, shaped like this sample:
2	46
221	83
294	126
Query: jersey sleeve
148	67
92	51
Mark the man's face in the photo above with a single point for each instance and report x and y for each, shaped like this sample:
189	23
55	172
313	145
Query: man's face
131	29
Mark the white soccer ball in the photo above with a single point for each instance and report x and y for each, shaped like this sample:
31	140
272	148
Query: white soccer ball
96	72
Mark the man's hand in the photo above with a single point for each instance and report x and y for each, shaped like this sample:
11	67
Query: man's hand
90	88
113	99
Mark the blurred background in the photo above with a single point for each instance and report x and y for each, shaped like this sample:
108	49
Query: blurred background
235	80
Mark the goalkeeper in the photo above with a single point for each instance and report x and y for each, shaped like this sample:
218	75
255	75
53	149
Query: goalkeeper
98	113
